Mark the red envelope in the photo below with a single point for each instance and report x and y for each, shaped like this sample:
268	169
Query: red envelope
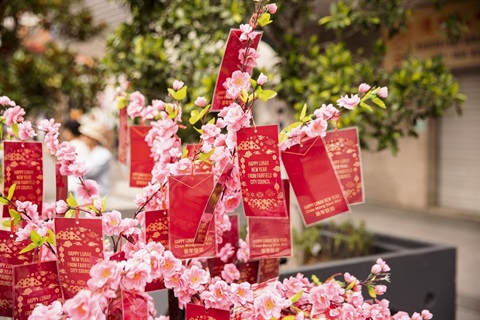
343	148
197	312
61	184
314	181
269	238
230	63
269	269
188	196
34	283
23	166
79	247
248	271
156	229
135	306
259	161
9	257
141	163
122	135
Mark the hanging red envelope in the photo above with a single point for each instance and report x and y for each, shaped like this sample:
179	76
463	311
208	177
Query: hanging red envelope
188	197
79	247
269	238
23	166
231	63
343	147
122	135
34	283
61	184
141	163
197	312
9	257
135	306
269	269
314	181
261	182
156	229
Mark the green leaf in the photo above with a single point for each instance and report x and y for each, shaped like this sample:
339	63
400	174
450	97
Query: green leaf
212	121
296	297
3	200
35	237
50	237
379	102
366	106
194	116
171	92
289	318
121	102
324	20
69	213
184	152
206	156
6	223
264	19
11	190
30	247
15	129
304	112
71	201
15	215
178	95
316	280
371	292
198	130
266	95
283	134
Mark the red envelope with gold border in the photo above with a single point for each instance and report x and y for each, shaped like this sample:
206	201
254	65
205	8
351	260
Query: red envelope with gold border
269	238
259	161
79	247
9	257
141	164
269	269
23	166
314	181
343	147
156	229
197	312
34	283
188	196
231	63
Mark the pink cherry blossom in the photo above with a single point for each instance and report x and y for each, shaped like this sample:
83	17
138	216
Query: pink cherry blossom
262	79
136	104
136	276
27	209
217	295
88	189
169	265
270	304
51	312
383	265
5	101
210	132
243	252
48	211
247	32
401	315
363	88
316	128
248	57
241	293
348	102
25	130
383	92
271	7
426	315
236	118
201	102
380	289
14	115
177	84
226	252
195	277
84	306
105	273
158	105
112	223
235	84
230	273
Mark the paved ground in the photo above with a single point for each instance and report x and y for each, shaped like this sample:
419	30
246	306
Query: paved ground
464	234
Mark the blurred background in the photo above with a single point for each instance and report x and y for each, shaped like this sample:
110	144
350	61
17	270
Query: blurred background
421	155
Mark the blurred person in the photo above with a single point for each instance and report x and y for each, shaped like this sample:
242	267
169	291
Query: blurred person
98	158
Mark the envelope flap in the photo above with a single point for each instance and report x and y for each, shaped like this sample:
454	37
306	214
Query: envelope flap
141	131
191	181
303	149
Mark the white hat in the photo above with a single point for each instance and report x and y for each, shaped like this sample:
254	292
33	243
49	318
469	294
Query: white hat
95	131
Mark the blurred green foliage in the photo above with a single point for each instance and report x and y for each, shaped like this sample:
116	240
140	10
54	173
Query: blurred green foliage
39	72
322	57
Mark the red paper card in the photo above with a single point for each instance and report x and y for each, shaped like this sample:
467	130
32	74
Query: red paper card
61	186
23	166
79	247
343	148
188	196
156	229
230	63
314	181
269	238
122	135
34	283
9	256
248	271
259	161
269	269
135	306
141	164
197	312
